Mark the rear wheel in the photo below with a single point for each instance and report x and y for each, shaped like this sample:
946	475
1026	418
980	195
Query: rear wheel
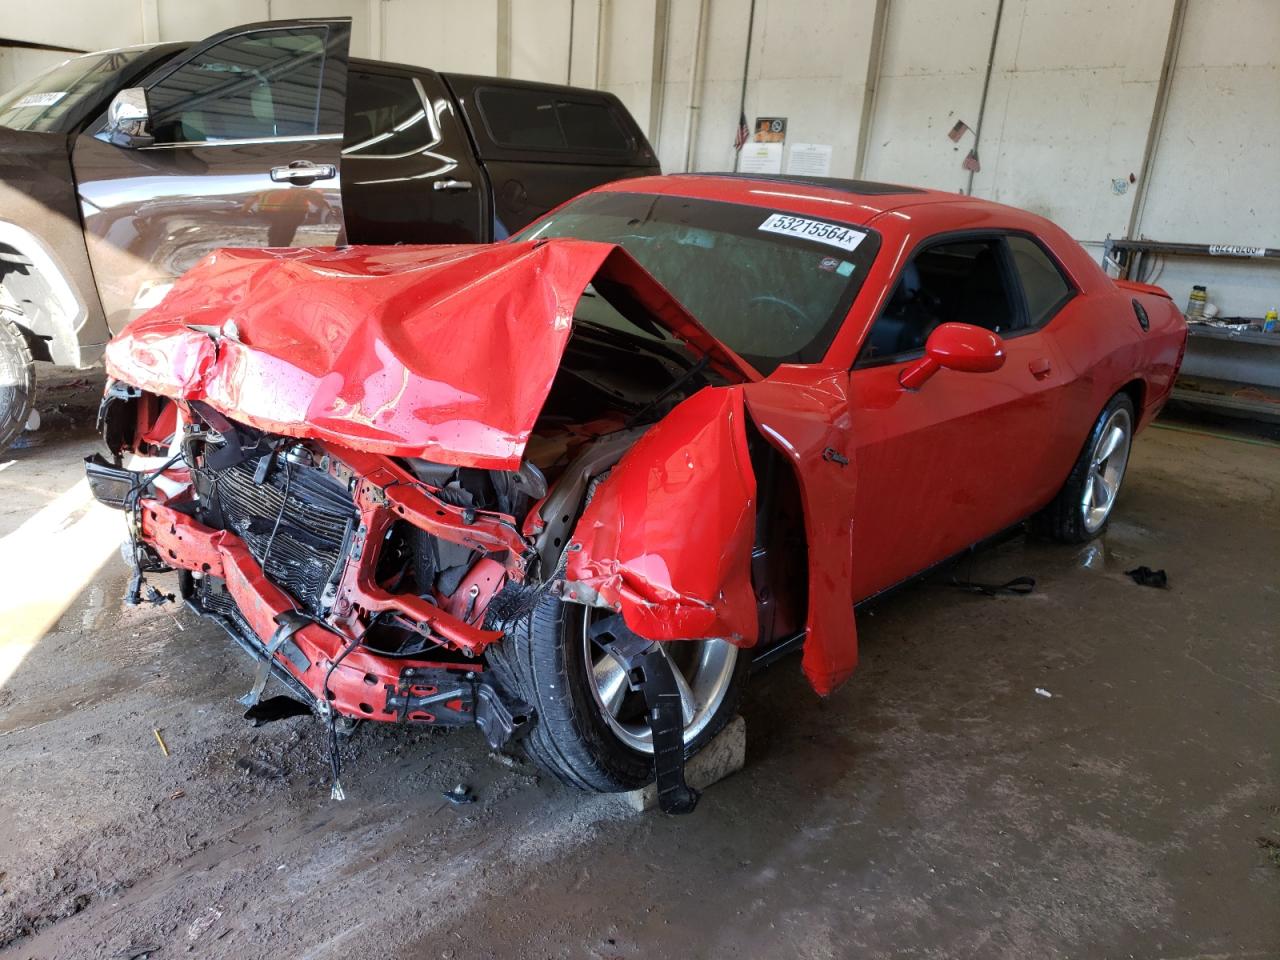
17	382
1084	504
590	730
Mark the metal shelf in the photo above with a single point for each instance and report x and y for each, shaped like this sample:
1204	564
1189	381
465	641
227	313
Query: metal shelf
1226	396
1205	331
1229	370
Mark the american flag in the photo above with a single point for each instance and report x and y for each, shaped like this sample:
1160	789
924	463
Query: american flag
744	132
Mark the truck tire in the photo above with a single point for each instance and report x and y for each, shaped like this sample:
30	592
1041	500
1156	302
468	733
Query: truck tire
1083	506
17	382
543	659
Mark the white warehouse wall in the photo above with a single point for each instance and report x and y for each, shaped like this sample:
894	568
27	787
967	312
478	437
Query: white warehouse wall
1072	97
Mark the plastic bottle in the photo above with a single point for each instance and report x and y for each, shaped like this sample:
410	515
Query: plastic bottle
1196	302
1269	322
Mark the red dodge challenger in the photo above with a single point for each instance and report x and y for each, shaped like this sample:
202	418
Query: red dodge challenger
567	487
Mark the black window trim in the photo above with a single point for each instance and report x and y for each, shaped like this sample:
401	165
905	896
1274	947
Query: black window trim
557	97
1011	277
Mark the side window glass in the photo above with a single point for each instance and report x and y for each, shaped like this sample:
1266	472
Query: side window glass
592	127
521	118
257	86
1045	288
386	117
957	281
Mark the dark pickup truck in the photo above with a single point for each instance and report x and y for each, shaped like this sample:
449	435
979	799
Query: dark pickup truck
120	170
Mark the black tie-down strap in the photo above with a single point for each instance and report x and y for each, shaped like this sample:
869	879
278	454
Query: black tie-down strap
649	672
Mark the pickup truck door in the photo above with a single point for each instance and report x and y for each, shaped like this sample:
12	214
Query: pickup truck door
409	173
247	128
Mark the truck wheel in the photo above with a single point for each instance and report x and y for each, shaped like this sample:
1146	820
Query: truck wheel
589	729
1082	507
17	382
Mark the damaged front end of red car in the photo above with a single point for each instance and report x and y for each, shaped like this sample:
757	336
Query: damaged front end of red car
367	465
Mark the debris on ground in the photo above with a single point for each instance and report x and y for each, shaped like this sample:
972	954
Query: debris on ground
260	768
1146	577
460	794
1041	691
160	740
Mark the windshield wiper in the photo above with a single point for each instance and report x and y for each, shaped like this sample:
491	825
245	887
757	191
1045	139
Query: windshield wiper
696	370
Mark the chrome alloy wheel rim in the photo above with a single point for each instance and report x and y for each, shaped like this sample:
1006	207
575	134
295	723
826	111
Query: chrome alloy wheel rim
703	670
1107	460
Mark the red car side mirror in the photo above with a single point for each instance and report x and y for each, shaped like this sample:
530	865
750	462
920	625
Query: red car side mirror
955	346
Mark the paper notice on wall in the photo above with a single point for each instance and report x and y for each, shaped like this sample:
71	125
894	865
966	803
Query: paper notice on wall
810	159
760	158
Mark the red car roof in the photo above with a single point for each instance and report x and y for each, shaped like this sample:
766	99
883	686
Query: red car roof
851	201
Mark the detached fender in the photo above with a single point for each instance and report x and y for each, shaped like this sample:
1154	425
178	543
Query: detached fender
667	537
804	412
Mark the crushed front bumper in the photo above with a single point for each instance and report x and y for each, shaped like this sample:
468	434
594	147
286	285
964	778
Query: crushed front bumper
321	662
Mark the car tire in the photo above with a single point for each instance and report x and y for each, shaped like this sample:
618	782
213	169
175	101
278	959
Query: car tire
1083	506
543	661
17	382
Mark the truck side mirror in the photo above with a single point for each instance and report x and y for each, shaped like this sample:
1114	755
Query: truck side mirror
129	120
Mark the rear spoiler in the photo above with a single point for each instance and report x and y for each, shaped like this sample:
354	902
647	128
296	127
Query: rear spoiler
1134	287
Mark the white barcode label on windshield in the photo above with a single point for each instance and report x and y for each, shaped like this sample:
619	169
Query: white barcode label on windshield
40	99
846	238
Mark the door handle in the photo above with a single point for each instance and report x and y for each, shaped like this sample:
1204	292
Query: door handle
451	185
303	172
1040	367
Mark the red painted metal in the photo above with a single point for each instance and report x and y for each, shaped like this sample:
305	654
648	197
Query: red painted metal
955	346
447	353
444	353
667	537
359	682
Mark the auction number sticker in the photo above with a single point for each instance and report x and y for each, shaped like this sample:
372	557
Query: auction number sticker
39	100
833	234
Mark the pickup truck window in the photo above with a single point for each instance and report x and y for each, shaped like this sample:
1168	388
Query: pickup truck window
537	120
257	86
385	116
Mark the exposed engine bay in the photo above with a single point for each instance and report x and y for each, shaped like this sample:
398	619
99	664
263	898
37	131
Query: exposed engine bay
373	585
371	519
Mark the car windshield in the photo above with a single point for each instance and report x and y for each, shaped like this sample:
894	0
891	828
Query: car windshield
40	104
773	286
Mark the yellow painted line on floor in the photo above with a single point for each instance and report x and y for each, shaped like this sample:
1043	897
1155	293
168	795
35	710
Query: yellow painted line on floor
46	563
1256	441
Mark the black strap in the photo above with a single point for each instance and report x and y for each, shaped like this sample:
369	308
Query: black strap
650	673
1017	586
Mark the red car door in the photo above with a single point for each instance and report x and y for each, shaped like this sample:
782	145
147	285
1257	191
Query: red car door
967	454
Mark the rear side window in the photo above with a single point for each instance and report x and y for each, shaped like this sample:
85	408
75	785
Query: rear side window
385	117
1045	287
537	120
591	126
256	86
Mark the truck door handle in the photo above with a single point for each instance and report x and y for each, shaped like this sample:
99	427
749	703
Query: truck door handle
303	172
1040	367
451	185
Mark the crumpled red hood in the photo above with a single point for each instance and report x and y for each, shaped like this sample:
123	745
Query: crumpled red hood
444	353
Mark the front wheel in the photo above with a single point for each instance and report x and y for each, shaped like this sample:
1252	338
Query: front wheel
589	730
1084	504
17	382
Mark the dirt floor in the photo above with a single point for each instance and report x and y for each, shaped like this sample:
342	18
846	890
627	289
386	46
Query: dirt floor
937	806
